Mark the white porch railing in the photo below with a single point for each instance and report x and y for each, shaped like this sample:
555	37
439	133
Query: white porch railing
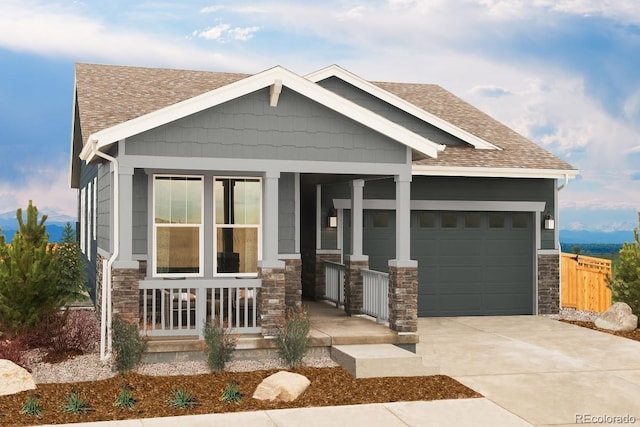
181	307
334	282
375	294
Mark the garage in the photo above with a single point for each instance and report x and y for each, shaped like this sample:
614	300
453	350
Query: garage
473	263
469	263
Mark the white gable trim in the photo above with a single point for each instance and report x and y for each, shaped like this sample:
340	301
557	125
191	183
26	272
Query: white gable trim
396	101
493	172
251	84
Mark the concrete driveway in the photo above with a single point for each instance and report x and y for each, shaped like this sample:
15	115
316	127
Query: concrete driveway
544	371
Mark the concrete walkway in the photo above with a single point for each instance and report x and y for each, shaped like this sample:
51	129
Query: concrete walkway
531	370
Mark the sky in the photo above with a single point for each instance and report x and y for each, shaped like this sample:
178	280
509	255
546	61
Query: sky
563	73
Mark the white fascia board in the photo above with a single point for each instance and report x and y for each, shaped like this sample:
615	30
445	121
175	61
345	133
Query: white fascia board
251	84
493	172
447	205
396	101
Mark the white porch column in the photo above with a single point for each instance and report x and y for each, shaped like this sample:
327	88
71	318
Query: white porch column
270	222
403	218
357	187
125	214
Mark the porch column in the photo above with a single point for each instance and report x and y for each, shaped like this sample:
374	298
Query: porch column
357	260
126	273
403	272
271	270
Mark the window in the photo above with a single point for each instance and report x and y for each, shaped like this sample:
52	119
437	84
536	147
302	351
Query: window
427	219
520	220
177	225
83	213
237	223
472	220
449	220
90	209
496	220
380	219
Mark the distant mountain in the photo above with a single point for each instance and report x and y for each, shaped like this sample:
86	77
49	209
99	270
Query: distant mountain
55	224
588	236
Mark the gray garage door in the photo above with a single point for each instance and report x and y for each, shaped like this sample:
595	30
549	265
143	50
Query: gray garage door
473	263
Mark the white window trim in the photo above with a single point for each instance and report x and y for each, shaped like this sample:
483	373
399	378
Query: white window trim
83	206
200	272
89	218
95	208
216	226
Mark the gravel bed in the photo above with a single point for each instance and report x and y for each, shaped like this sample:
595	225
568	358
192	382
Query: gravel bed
89	367
573	314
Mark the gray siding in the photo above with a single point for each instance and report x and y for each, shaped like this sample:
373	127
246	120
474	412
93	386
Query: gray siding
87	174
389	112
286	217
140	217
247	127
453	188
104	207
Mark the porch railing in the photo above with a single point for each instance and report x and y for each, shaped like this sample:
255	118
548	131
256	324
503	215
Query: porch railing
181	307
334	282
375	294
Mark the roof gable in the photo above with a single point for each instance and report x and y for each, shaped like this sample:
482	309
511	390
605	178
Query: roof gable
275	78
398	102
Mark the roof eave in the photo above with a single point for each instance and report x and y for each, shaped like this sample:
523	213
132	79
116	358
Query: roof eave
494	172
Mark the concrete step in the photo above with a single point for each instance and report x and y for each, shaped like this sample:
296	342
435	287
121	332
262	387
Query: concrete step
380	360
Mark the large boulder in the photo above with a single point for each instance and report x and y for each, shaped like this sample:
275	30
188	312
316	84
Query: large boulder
14	378
282	386
618	318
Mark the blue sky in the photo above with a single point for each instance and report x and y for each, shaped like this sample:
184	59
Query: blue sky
564	73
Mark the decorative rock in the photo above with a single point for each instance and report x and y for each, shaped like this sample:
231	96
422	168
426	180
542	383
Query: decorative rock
282	386
618	318
14	379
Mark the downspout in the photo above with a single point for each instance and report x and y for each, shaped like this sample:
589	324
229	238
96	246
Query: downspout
566	181
106	316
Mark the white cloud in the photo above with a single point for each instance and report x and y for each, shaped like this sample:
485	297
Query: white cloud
243	34
214	33
211	9
45	187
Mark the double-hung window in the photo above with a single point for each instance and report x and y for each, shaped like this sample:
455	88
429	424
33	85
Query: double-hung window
177	225
237	225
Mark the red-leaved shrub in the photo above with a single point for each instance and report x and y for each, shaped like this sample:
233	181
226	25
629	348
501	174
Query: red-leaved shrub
14	349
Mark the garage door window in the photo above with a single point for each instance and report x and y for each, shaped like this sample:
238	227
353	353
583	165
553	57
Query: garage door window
449	220
380	219
427	219
520	220
472	220
496	220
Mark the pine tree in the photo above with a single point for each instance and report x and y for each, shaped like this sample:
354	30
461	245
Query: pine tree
71	266
29	288
625	287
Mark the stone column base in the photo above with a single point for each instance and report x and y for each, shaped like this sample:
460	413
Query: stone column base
548	283
293	283
403	299
271	299
125	296
353	285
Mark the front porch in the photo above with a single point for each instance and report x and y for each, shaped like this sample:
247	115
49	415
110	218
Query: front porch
329	326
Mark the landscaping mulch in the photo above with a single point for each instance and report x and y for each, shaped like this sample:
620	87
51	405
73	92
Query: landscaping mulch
632	335
329	387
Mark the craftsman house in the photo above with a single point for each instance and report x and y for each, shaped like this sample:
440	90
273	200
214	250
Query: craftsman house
227	197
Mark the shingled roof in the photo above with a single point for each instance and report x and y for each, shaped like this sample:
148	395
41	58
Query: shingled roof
108	95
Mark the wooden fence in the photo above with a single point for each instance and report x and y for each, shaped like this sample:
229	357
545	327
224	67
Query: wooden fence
584	282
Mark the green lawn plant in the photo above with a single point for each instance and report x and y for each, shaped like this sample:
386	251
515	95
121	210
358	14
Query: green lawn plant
74	404
231	393
219	346
182	399
625	286
125	399
31	406
128	344
292	336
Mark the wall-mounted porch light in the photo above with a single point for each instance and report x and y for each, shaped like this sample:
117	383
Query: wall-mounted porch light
549	223
332	218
